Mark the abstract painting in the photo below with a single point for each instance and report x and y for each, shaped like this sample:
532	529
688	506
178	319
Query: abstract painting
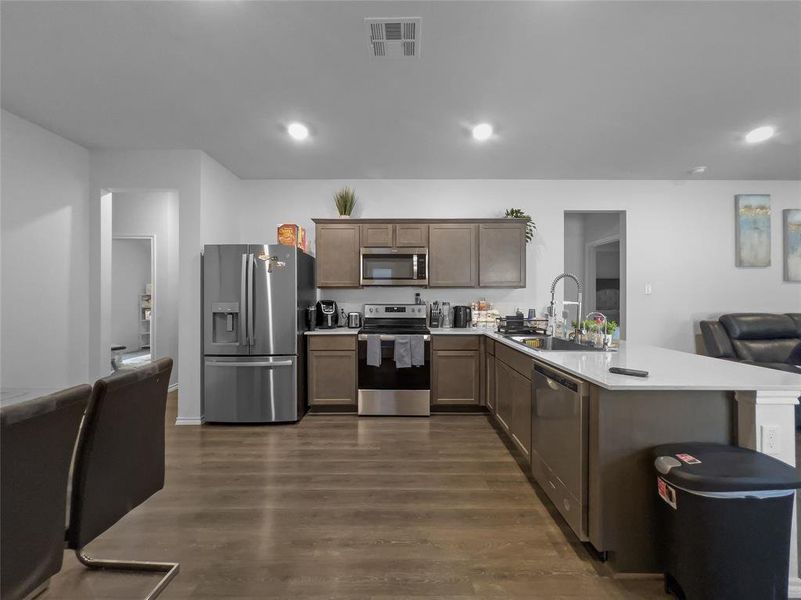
792	244
752	230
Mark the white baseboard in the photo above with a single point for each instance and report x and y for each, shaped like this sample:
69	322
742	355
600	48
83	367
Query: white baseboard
173	387
794	588
189	421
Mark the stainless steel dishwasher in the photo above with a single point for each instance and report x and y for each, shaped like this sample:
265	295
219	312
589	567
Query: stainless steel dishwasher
559	440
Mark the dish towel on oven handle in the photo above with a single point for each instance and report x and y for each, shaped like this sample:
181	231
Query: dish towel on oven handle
418	346
403	352
373	350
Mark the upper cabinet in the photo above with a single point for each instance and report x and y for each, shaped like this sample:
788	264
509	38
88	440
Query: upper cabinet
411	235
452	257
388	235
502	254
337	254
377	235
462	253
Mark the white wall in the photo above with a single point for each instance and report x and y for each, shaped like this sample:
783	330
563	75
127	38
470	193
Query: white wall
130	274
198	181
176	170
680	238
155	213
45	257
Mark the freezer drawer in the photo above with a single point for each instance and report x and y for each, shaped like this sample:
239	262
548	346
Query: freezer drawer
250	389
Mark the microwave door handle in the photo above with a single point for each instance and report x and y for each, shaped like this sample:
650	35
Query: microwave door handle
414	266
251	297
243	306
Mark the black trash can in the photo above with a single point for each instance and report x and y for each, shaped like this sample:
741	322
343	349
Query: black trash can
725	526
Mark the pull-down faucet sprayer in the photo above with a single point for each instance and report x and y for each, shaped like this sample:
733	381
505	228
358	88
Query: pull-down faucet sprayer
580	288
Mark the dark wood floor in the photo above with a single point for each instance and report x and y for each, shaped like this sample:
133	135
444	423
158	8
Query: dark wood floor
342	507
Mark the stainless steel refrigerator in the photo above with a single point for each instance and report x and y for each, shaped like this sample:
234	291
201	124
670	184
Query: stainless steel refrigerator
254	315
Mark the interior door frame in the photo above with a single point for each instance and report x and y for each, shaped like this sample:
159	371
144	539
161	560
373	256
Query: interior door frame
153	276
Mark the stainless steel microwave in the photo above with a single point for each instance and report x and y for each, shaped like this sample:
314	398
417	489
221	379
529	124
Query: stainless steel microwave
394	266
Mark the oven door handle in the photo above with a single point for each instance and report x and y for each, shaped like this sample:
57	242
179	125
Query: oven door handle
390	338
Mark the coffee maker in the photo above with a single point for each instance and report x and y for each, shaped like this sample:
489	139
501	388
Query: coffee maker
327	314
462	316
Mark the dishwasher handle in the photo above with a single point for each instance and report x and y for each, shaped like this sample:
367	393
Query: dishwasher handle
554	379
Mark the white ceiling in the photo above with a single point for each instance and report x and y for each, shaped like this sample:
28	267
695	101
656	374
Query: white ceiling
576	90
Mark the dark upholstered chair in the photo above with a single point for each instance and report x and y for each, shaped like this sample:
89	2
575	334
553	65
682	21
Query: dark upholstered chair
37	439
762	339
119	461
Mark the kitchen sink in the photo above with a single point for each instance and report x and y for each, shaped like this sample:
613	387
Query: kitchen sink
546	343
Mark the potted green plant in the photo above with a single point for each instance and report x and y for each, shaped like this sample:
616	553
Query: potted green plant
345	199
517	213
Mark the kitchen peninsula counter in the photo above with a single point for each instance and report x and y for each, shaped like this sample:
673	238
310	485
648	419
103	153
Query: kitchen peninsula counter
668	369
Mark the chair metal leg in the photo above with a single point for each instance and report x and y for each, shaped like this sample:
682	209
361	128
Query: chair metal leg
170	569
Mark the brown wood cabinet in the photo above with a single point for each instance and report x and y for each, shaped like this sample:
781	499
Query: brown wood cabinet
489	383
502	254
337	246
503	393
332	370
377	235
411	235
461	252
513	396
452	255
520	427
455	370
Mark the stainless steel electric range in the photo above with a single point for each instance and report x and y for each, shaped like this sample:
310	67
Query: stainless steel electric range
388	389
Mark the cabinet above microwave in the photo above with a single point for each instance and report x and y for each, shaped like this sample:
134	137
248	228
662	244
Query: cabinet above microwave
461	253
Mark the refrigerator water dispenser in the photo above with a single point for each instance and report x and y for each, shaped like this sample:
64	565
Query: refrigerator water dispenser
225	318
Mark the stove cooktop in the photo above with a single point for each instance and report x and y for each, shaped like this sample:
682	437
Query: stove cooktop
404	319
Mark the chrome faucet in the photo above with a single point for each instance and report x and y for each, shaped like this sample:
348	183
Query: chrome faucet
580	288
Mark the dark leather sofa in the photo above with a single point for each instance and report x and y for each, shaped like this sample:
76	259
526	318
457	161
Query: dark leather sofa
762	339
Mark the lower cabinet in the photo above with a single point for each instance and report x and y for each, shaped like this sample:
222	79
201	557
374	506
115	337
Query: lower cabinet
513	405
455	370
332	370
503	393
489	383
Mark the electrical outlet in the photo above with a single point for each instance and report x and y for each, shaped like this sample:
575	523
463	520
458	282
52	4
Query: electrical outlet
648	289
770	439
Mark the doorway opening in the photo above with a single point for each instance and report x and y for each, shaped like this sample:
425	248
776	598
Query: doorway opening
595	251
133	307
139	278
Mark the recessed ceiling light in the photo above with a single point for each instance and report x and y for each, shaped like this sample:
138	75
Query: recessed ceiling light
482	132
760	134
698	170
298	131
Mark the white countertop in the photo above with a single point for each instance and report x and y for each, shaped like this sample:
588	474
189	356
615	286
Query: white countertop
668	369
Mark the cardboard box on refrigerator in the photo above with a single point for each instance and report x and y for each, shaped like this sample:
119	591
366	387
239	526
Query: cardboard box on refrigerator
290	234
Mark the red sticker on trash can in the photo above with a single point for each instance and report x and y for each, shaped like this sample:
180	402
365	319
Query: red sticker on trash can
688	459
667	493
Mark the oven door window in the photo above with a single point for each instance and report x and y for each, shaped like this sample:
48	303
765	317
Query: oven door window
387	267
387	376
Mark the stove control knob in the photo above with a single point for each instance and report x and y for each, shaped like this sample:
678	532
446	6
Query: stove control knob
371	310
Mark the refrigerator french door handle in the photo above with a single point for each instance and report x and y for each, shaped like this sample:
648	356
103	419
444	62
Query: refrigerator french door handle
243	302
271	363
251	298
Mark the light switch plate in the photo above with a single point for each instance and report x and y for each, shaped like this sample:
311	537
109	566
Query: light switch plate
648	289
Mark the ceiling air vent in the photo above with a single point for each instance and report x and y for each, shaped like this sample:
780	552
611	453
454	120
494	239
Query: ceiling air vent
394	38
